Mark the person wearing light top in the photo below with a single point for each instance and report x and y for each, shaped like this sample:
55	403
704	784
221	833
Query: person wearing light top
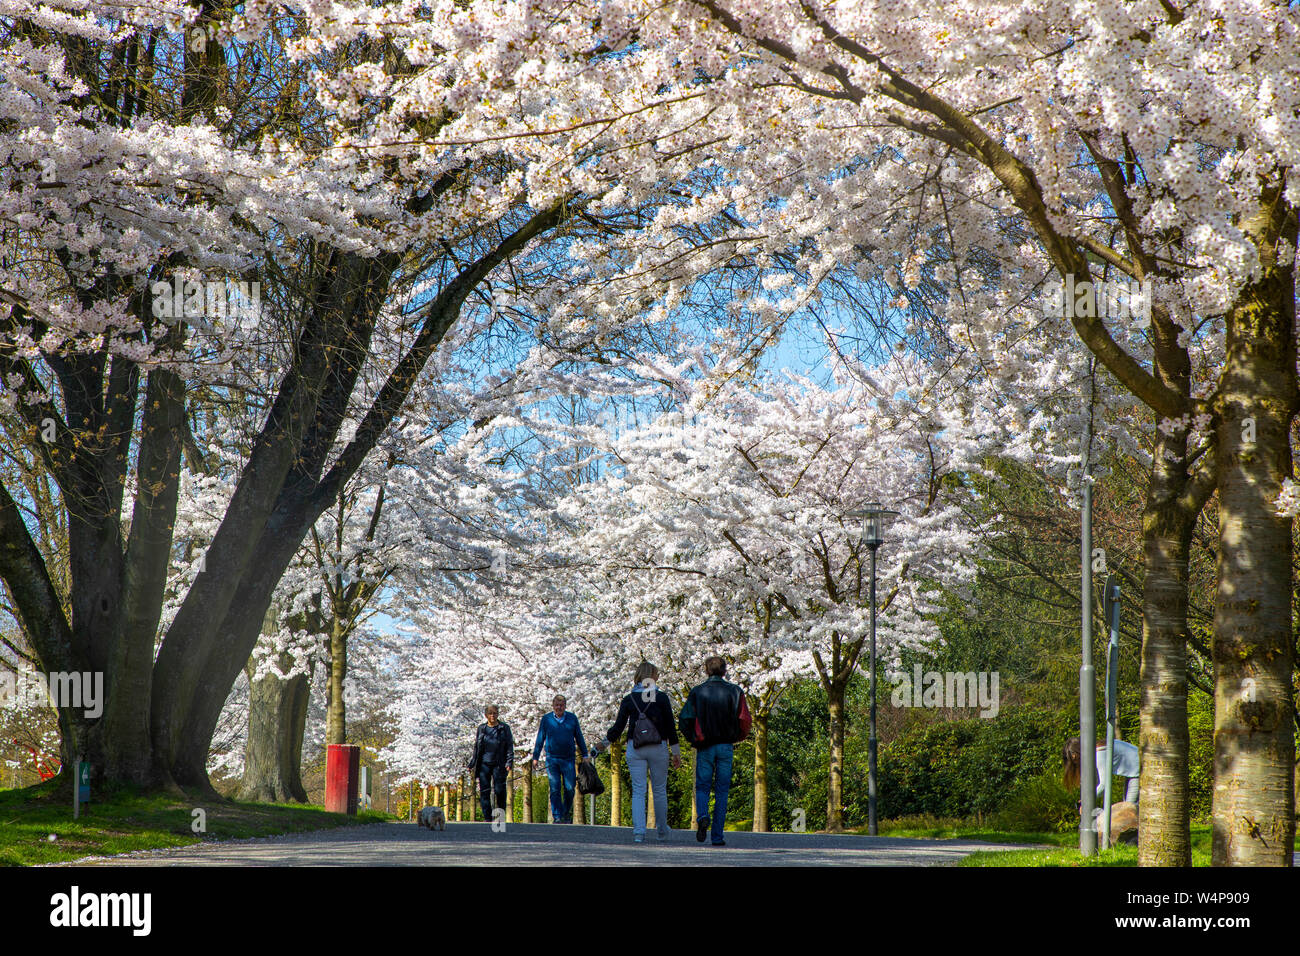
1126	762
647	758
561	735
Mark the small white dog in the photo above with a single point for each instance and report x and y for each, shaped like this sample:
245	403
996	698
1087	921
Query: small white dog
433	816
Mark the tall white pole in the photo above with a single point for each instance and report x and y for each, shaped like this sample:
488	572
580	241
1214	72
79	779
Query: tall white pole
1087	674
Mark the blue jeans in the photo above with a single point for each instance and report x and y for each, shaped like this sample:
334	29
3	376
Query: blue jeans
563	775
713	772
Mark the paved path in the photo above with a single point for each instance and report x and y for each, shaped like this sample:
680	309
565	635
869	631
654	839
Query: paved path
540	844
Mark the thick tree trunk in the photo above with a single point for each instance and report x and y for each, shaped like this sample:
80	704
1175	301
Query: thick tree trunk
579	808
1164	834
510	795
528	791
1254	737
281	491
835	781
761	824
277	719
123	733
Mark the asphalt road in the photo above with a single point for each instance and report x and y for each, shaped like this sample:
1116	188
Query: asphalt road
540	844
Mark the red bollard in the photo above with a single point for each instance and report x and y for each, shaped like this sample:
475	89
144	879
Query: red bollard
342	776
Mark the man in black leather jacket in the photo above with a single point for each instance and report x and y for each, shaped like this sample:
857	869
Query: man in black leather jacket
716	717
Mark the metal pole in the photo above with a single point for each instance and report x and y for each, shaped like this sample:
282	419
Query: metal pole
1087	675
871	740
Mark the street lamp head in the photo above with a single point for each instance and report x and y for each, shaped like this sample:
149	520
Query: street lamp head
875	520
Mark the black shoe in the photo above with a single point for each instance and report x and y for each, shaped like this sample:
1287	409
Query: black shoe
721	843
702	830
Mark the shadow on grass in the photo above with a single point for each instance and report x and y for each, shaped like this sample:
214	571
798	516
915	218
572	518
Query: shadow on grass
125	819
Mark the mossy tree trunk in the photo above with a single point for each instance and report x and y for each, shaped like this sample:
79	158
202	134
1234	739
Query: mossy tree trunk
761	823
1254	734
615	787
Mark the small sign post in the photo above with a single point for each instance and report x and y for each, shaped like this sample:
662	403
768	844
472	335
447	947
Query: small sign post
80	786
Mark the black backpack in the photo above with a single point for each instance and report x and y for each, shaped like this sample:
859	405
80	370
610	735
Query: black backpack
644	732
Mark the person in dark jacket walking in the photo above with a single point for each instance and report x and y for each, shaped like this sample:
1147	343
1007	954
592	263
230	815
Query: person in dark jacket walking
651	746
493	759
561	735
716	717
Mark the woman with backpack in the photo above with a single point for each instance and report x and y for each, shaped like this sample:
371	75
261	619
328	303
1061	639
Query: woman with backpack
651	746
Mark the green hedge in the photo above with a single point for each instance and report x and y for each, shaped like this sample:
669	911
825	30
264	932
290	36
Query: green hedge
963	768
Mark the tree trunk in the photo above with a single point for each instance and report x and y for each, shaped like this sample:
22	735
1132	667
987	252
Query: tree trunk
510	795
579	808
761	824
336	715
1254	738
281	493
528	791
615	788
128	683
460	799
277	719
1164	834
835	781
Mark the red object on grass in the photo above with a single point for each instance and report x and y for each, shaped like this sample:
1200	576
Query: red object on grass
44	768
342	778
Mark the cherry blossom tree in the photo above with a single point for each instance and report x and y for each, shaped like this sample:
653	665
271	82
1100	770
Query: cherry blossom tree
1145	143
738	508
147	164
901	134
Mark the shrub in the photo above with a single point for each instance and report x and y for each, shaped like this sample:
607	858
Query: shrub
965	768
1040	804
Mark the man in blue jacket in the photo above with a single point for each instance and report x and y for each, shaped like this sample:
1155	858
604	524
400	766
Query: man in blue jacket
562	737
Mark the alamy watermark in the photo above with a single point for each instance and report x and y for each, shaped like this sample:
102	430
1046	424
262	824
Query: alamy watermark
1088	299
955	689
75	909
74	690
198	301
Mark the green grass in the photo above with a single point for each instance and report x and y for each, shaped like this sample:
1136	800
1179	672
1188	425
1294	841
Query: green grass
1068	853
1062	849
126	820
1061	856
941	828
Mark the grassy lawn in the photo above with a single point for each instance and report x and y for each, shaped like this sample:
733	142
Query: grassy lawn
1068	853
126	820
938	828
1062	849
